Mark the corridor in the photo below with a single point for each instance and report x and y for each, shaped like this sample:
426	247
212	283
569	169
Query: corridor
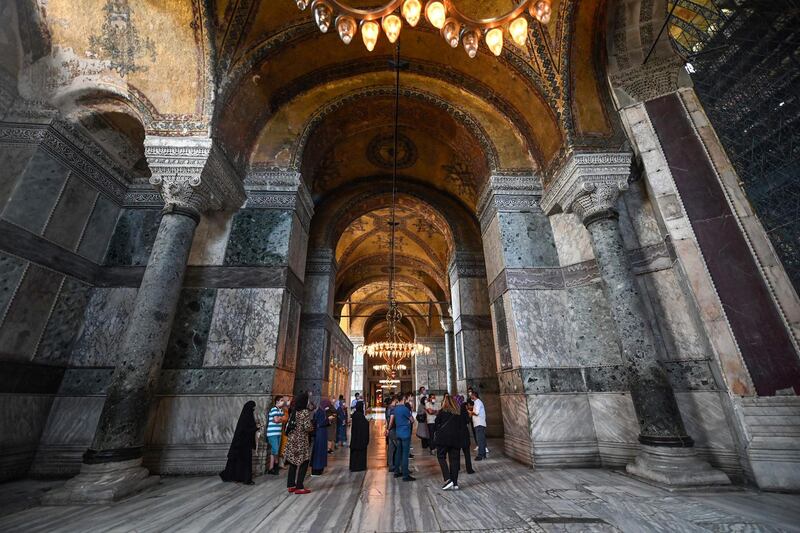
502	496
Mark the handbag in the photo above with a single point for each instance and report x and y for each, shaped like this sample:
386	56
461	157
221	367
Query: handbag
291	425
421	418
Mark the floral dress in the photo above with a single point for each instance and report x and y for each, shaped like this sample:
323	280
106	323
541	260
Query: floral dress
298	446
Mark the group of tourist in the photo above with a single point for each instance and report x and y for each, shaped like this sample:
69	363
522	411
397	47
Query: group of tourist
302	434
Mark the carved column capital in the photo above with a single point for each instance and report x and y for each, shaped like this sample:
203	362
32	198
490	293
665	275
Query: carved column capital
589	185
447	324
321	261
279	188
193	174
515	192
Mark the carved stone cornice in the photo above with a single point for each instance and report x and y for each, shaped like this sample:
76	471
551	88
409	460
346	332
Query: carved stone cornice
466	265
71	146
321	261
511	192
589	185
657	77
276	188
193	173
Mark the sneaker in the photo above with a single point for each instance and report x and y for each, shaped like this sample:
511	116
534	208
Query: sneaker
398	475
302	491
409	478
447	485
479	458
455	487
470	471
487	450
476	449
292	489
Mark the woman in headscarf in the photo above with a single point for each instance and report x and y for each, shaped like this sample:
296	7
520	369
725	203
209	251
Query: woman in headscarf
359	439
298	445
319	454
240	455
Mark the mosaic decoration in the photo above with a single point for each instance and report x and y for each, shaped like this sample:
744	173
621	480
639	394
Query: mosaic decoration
380	151
119	40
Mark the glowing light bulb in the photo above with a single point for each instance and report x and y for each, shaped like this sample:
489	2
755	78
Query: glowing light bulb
471	39
322	15
519	30
369	33
494	41
302	4
541	11
411	12
451	32
436	13
392	24
346	26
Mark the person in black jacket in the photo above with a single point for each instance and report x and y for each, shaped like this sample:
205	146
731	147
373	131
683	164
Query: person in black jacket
359	440
465	445
449	439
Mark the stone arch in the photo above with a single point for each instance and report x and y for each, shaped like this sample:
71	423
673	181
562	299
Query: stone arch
473	125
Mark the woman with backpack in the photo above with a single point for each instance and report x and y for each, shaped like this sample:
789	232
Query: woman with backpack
298	444
449	439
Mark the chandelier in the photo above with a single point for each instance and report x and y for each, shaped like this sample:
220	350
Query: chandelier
454	26
395	349
389	368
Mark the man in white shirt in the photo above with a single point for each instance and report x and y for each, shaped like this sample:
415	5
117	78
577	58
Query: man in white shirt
479	422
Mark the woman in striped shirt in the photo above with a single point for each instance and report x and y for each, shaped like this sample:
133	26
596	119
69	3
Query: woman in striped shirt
275	419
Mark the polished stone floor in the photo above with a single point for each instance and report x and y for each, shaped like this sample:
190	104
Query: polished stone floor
501	496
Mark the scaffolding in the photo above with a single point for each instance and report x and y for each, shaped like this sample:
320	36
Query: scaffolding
744	59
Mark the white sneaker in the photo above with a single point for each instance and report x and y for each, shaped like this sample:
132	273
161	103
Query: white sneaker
476	448
447	485
455	487
487	450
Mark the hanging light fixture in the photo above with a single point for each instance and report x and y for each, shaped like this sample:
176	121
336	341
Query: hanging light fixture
395	349
441	14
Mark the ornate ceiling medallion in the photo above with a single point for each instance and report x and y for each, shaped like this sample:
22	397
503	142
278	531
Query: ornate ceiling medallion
454	26
380	151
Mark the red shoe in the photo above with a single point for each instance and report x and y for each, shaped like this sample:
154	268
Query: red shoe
302	491
292	489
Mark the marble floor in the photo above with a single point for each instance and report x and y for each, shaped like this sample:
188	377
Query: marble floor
501	496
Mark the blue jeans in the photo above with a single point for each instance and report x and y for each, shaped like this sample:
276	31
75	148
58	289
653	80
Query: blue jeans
391	450
480	436
403	449
341	434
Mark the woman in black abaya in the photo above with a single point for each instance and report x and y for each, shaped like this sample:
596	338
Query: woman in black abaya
359	440
240	455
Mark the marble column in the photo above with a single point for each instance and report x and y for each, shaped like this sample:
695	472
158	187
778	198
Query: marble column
450	352
193	177
589	185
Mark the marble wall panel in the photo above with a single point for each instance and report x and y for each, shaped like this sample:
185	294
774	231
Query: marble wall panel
27	415
474	296
69	432
191	434
259	237
211	239
638	222
493	249
187	342
35	195
133	237
103	326
28	313
516	428
562	430
455	298
71	213
705	421
298	248
11	271
13	160
539	321
99	229
527	240
318	293
589	332
571	239
244	328
479	356
65	323
676	317
616	427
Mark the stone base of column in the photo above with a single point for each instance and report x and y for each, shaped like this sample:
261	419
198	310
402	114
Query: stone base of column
103	483
675	468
